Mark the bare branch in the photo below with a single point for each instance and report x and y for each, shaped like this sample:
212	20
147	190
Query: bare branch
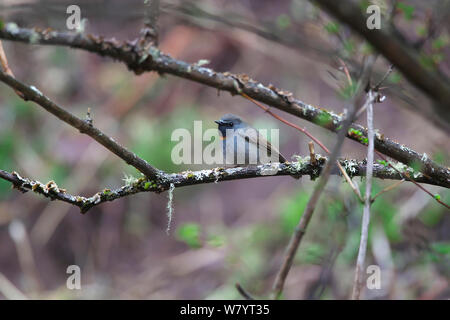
357	283
152	59
4	61
300	229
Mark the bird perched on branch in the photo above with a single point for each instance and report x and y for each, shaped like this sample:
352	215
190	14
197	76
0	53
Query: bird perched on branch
244	145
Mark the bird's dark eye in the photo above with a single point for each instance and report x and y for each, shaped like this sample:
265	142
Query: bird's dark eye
231	124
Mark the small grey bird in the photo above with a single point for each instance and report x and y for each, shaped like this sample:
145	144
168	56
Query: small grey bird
244	145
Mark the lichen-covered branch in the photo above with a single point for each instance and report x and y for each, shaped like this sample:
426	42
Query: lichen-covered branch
301	167
86	127
152	59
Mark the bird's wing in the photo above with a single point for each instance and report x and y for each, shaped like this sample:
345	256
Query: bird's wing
253	136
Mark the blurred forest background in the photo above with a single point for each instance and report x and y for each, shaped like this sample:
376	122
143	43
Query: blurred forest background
221	233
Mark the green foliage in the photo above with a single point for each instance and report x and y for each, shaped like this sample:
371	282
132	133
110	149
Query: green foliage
60	57
2	24
189	233
349	46
148	136
440	157
216	240
358	135
335	208
59	172
312	253
332	27
367	49
348	91
394	77
439	43
7	147
407	10
324	118
283	21
292	210
426	61
384	209
422	31
350	250
363	4
441	247
416	166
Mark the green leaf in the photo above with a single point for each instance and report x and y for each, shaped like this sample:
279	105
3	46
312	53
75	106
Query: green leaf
383	162
395	77
189	233
334	209
422	31
216	241
437	196
407	10
313	253
441	247
439	157
439	43
332	27
348	91
386	211
426	61
349	46
283	21
292	210
324	119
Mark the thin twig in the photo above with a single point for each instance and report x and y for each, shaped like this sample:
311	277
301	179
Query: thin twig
406	176
397	50
350	182
300	229
312	154
4	65
244	292
388	188
347	73
4	61
306	132
386	75
266	109
151	31
357	283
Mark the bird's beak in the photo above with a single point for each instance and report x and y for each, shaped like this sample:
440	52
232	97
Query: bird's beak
219	122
